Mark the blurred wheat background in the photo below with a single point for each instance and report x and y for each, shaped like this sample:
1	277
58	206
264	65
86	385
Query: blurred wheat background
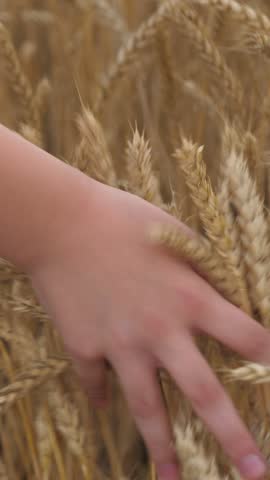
169	100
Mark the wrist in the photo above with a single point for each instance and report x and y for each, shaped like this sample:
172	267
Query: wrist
61	220
41	202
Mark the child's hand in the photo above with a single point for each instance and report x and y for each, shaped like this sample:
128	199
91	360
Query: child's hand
114	296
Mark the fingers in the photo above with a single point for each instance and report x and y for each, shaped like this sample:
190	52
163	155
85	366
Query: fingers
93	378
140	386
197	381
234	328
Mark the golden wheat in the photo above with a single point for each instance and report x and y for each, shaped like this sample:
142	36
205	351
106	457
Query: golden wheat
195	66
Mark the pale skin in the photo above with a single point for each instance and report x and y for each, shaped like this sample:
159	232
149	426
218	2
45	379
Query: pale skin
114	296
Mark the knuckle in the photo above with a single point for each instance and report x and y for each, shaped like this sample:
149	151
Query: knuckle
143	408
82	352
119	341
154	324
193	300
206	395
258	345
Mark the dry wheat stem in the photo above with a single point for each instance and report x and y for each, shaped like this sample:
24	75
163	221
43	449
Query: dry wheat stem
3	471
43	440
201	99
167	69
41	96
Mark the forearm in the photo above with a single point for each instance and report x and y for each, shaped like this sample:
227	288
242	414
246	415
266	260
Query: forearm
38	196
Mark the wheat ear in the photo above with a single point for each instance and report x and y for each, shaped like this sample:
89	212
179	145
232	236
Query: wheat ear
106	13
130	53
31	134
92	155
196	464
254	232
67	421
18	80
182	15
35	376
141	178
250	372
258	35
189	159
230	138
198	252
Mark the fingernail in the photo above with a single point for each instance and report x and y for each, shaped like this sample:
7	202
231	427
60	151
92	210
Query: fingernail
168	471
252	467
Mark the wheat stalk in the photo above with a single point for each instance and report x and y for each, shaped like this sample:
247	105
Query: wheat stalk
3	471
44	444
42	17
41	96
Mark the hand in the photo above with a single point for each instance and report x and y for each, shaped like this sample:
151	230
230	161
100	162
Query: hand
114	296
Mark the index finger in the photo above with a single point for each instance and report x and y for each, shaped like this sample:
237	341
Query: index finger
234	328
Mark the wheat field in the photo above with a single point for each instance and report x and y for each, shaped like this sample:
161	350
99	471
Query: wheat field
170	100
